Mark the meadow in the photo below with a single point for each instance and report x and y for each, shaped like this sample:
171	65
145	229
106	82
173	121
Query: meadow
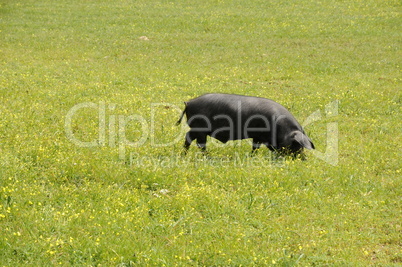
91	164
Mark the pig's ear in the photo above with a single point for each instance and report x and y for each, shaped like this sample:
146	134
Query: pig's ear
303	140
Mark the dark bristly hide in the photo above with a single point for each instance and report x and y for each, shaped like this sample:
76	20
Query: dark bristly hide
228	117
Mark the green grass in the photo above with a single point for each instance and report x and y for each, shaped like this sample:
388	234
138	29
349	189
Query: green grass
61	204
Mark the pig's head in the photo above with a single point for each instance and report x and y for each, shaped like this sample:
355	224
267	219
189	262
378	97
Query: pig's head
298	140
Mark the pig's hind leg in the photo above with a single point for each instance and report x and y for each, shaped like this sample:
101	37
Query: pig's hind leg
191	136
202	141
256	145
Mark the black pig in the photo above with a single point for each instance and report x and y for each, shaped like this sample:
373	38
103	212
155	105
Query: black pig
233	117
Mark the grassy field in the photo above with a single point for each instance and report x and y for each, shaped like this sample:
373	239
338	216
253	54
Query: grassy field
91	171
